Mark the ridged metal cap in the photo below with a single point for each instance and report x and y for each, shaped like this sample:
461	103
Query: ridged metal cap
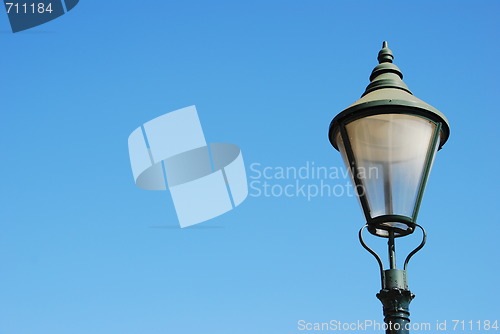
386	74
387	93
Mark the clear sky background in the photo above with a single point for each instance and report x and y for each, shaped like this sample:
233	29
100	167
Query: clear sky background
83	250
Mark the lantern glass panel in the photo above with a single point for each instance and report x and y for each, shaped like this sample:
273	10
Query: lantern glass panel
390	153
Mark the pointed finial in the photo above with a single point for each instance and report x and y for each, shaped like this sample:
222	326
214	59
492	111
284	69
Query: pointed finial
386	74
385	55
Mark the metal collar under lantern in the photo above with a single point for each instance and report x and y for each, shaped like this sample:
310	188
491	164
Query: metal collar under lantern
388	140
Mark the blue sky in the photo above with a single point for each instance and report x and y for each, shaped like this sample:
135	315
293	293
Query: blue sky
83	250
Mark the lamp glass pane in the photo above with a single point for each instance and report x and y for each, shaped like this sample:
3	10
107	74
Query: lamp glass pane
390	151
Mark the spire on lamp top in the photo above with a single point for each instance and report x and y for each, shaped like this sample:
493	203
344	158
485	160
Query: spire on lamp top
385	55
386	74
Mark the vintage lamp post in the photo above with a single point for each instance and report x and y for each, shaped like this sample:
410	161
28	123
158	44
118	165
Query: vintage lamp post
388	140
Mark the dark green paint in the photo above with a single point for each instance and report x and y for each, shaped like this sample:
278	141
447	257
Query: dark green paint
375	101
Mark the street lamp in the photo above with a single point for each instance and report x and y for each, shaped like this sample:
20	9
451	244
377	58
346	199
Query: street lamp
388	140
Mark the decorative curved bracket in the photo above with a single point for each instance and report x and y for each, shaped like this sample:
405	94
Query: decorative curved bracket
372	252
422	244
379	260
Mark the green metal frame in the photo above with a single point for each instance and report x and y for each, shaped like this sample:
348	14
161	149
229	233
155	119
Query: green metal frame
388	76
387	107
354	171
377	223
428	165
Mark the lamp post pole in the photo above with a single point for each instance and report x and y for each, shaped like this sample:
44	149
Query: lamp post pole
395	295
398	134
